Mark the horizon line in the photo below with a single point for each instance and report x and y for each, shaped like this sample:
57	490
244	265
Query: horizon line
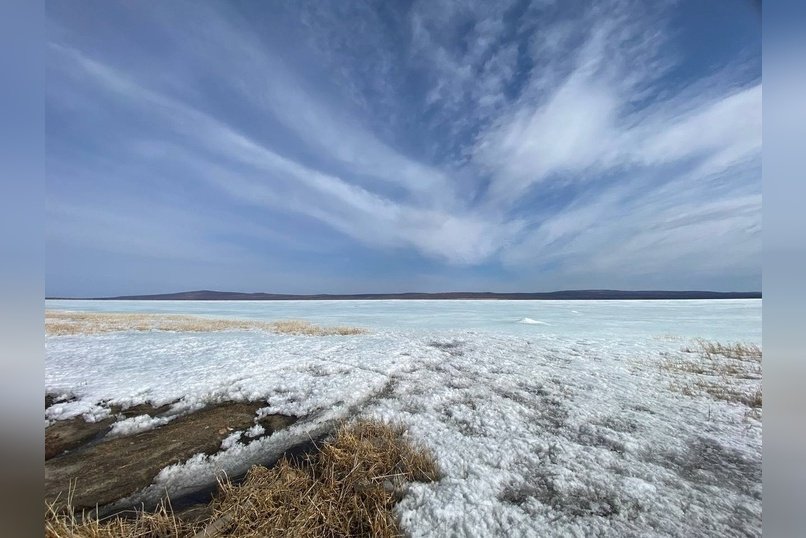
591	293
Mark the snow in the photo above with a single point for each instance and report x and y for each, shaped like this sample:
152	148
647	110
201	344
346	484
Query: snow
136	424
255	431
569	428
530	321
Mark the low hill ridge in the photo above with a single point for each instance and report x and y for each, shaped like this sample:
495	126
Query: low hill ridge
210	295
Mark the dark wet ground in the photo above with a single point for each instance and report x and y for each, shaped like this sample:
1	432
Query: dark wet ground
99	470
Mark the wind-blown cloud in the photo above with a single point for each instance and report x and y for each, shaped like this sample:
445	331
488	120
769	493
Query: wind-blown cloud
520	139
349	208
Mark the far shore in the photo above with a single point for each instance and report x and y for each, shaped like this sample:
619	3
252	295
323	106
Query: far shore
565	295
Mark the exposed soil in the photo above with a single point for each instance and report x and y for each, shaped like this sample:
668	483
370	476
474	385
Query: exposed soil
141	409
65	435
101	472
70	434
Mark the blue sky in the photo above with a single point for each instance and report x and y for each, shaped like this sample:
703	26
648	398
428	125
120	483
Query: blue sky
342	147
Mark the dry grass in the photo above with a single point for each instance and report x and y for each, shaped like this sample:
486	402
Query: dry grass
160	523
58	323
721	390
347	488
727	372
713	366
737	351
668	337
307	328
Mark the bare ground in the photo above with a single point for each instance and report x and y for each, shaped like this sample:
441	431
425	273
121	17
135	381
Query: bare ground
100	472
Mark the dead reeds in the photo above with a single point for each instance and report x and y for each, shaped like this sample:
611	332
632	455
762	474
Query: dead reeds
309	329
348	487
737	351
141	524
727	372
60	323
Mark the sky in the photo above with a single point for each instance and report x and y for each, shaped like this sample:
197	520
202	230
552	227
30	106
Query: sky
362	147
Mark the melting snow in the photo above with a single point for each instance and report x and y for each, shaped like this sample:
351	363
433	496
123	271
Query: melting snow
530	321
575	430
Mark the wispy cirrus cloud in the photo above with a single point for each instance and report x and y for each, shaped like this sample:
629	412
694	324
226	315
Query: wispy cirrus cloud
504	138
271	180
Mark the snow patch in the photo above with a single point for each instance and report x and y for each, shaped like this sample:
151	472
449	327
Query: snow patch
530	321
231	440
255	431
136	424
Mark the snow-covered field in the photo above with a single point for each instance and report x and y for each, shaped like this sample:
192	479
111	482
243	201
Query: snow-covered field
547	418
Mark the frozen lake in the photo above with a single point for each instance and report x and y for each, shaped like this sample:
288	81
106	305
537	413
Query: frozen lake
727	319
547	417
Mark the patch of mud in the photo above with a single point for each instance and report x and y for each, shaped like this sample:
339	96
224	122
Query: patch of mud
141	409
112	469
66	435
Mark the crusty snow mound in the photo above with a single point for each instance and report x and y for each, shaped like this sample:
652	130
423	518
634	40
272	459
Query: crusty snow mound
530	321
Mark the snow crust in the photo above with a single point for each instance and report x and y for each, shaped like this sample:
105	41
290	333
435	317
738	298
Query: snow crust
136	424
530	321
572	429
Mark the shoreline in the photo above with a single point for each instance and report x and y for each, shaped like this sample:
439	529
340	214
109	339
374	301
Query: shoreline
571	295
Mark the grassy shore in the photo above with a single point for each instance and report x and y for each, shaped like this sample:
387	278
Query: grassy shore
60	323
348	487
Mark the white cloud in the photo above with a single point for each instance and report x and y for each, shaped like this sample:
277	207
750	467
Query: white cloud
652	178
571	132
276	182
585	128
319	120
683	228
726	131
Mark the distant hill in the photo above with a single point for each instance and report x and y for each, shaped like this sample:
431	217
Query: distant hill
207	295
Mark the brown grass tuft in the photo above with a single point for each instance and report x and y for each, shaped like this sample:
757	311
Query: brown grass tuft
59	323
727	372
722	390
307	328
737	351
161	522
347	488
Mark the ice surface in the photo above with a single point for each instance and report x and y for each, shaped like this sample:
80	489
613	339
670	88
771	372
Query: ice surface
567	428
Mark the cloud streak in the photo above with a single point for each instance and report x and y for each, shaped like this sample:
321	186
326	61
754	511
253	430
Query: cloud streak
529	142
